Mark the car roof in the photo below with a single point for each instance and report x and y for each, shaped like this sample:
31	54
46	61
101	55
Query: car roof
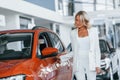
24	30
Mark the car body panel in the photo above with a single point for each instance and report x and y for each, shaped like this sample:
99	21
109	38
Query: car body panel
34	67
108	60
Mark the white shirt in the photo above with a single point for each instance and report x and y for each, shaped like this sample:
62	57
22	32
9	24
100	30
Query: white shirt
83	43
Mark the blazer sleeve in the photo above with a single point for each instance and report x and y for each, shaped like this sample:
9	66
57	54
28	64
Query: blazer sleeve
73	44
97	50
72	40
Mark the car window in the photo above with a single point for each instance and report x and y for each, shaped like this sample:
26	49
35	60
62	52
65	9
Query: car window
55	41
103	46
49	39
15	45
43	42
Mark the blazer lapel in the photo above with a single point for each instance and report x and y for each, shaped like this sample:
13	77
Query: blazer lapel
91	39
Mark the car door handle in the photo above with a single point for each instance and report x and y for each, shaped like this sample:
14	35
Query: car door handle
57	64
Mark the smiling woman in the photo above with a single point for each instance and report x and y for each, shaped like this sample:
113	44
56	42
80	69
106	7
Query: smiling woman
85	46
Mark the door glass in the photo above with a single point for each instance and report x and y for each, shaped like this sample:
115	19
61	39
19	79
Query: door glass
56	42
103	46
42	42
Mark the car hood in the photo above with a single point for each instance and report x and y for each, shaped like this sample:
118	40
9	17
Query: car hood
8	66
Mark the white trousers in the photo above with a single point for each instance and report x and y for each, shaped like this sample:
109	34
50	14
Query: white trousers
89	75
83	72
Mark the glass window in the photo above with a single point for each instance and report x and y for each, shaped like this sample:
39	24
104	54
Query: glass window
101	1
15	46
117	34
56	42
100	7
103	46
88	7
60	5
43	42
88	1
109	7
110	4
49	39
57	29
110	33
109	1
24	21
70	8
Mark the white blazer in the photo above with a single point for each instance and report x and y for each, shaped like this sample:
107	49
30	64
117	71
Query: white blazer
94	53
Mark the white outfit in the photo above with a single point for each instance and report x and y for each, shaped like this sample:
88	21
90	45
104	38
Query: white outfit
86	54
83	60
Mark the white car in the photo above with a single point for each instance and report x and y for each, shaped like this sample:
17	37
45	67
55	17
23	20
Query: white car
109	61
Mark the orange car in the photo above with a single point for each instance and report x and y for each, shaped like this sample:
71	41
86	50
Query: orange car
33	54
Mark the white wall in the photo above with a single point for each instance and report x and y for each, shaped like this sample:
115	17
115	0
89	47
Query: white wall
11	21
65	34
2	20
31	9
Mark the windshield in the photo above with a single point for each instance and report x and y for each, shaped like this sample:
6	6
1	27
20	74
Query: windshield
15	46
103	46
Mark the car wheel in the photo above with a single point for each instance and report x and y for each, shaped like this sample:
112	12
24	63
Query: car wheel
115	76
74	78
111	74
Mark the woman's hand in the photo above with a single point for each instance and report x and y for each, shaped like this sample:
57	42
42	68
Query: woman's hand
98	70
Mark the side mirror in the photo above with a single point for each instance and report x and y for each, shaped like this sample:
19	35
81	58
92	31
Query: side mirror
49	52
112	50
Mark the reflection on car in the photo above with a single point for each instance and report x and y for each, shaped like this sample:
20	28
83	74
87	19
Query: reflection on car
33	55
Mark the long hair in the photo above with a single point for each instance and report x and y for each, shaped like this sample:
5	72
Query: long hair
84	18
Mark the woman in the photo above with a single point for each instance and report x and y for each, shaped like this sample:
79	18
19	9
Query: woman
85	45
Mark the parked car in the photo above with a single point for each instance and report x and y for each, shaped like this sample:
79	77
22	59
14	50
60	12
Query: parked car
105	61
33	55
109	64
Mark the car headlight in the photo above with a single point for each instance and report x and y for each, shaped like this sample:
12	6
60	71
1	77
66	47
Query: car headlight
16	77
107	61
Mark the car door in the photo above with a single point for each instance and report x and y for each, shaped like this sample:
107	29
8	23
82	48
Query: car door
114	58
52	68
65	67
47	69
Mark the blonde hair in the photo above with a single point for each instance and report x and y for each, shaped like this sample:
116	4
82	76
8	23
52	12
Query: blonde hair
84	18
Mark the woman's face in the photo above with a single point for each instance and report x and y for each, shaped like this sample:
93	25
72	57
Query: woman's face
78	22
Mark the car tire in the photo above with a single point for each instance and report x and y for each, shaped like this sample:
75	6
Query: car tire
115	76
111	74
74	78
